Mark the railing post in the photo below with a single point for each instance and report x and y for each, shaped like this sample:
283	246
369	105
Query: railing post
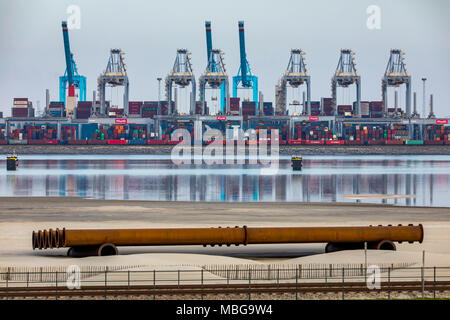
7	280
56	282
202	282
434	282
154	284
178	278
278	277
343	276
423	283
389	283
128	279
249	283
28	278
106	279
296	284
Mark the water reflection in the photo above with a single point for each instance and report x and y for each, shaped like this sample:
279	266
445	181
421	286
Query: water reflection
153	178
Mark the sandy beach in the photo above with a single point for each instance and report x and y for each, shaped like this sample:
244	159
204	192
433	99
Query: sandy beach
20	216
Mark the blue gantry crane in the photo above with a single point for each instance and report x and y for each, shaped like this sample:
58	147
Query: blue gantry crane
244	76
71	78
208	39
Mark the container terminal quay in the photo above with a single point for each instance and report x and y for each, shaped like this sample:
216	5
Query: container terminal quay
76	119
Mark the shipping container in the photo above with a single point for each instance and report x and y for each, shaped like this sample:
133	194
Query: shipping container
394	142
77	142
436	142
14	141
335	142
112	141
414	142
94	142
156	141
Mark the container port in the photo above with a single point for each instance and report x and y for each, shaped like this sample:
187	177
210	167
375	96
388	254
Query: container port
150	169
75	121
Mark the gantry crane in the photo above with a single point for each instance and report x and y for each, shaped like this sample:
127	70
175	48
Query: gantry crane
208	53
71	78
295	75
244	76
215	76
394	76
208	40
344	76
182	75
114	75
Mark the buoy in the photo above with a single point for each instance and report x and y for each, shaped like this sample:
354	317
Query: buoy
296	162
12	162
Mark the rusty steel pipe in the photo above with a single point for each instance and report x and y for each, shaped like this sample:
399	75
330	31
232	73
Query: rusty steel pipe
224	236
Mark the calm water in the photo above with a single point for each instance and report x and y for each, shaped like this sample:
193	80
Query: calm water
323	178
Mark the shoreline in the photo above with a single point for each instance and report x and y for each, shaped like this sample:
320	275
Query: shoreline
283	149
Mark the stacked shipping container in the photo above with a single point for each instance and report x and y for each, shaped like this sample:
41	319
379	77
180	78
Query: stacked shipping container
84	109
327	106
134	108
234	106
56	109
22	108
376	109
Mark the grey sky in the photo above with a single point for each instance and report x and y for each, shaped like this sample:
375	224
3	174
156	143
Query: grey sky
32	55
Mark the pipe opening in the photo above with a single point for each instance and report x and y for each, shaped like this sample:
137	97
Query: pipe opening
108	249
386	245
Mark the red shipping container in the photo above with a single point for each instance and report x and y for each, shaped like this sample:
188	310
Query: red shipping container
334	142
113	141
393	142
96	142
77	142
375	142
435	142
314	142
156	142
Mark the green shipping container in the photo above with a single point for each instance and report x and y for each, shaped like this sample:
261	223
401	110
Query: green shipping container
416	142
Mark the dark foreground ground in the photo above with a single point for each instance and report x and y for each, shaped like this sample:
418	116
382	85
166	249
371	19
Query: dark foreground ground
284	150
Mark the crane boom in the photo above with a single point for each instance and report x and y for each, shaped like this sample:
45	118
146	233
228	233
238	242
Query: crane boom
68	54
244	64
208	39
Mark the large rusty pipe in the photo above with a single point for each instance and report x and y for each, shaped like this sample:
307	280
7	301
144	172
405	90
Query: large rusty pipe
224	236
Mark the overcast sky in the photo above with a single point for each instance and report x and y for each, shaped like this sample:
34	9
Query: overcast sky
150	32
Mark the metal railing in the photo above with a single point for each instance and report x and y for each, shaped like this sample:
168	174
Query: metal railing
303	278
